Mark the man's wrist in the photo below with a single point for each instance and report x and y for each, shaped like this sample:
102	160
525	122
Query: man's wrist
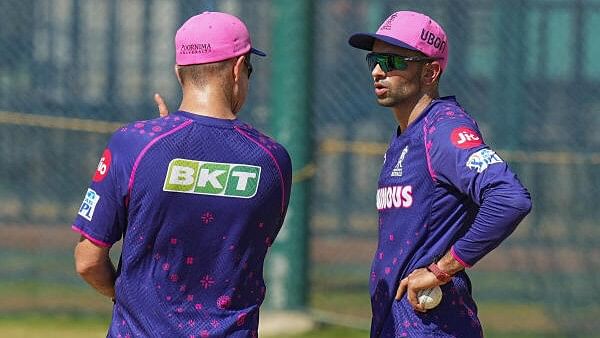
449	264
440	274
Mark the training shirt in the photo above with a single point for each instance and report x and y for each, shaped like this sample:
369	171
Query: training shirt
441	188
197	201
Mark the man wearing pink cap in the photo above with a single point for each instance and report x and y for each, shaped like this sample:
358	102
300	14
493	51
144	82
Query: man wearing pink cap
197	196
445	199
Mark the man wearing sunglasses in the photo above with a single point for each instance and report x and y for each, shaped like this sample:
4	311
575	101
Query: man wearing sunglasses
445	199
197	197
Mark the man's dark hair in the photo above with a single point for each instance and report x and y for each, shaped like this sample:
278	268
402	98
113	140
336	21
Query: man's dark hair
198	75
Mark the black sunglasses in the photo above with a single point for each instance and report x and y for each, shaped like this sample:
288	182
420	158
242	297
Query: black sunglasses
248	64
389	62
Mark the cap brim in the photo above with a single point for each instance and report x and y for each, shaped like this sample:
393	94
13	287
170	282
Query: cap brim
365	41
257	52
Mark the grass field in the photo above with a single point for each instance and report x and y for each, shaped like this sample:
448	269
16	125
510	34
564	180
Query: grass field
73	325
68	308
53	326
65	310
40	296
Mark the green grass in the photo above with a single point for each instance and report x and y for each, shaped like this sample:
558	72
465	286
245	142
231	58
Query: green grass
331	332
26	296
69	308
55	325
91	326
68	326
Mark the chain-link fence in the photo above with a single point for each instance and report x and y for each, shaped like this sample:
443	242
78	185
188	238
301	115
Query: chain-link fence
72	70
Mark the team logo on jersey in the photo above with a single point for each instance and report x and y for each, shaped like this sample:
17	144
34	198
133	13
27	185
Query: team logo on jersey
103	166
212	178
397	171
86	210
394	197
482	159
465	138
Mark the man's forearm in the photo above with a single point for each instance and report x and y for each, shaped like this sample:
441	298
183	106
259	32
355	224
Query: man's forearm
101	277
449	264
94	265
502	209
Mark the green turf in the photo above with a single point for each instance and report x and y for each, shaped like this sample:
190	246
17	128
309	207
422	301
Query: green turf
38	325
72	309
330	332
58	325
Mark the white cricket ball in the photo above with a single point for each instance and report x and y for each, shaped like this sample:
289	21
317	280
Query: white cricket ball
430	298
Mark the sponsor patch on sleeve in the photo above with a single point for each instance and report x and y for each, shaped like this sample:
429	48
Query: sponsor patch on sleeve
480	160
89	204
465	138
103	166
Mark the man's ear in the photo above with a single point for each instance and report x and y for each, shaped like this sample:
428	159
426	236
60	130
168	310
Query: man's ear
238	68
176	68
431	72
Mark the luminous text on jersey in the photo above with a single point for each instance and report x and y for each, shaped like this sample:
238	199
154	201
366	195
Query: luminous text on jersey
212	178
394	197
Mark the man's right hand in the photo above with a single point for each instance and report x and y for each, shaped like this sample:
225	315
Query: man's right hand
162	106
416	281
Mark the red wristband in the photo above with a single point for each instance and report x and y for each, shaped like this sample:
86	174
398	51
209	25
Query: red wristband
439	274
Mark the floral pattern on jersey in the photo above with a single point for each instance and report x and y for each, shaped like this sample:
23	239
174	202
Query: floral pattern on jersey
207	281
263	139
207	217
151	128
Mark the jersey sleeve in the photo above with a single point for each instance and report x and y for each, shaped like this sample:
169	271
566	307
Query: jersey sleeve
101	218
459	158
286	169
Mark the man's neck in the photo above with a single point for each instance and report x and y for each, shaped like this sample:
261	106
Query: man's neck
207	103
407	113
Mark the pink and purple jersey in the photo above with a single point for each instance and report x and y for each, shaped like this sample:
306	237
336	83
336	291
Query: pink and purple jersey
441	188
197	201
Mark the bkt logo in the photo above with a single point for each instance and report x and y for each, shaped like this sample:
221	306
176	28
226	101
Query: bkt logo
211	178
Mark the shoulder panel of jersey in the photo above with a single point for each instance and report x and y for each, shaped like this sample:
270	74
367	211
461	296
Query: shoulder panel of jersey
279	156
451	135
135	139
102	215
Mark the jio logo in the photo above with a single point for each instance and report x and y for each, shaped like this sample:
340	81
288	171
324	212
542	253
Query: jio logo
103	166
465	138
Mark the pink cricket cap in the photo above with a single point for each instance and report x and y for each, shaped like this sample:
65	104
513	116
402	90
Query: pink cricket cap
212	37
410	30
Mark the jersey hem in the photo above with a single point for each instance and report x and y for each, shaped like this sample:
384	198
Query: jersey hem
90	238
